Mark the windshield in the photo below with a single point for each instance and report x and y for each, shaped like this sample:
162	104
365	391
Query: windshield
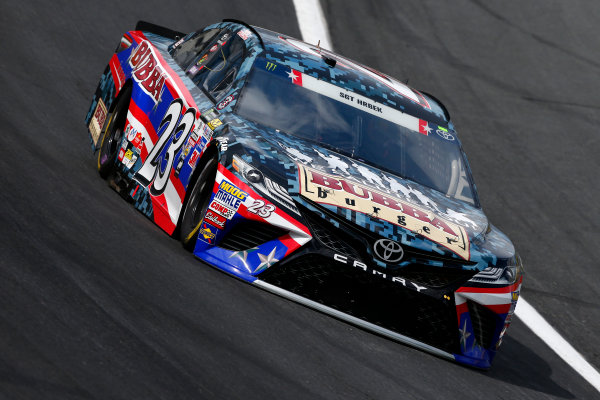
301	105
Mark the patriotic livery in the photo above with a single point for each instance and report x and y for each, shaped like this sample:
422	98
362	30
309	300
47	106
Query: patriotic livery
311	176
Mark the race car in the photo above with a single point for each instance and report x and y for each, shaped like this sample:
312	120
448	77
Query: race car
311	176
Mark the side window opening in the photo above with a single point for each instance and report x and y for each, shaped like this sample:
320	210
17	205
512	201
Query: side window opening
185	53
216	67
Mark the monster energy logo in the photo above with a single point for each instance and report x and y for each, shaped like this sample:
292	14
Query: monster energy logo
270	66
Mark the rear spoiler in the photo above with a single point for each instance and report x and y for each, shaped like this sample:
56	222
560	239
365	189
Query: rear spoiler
159	30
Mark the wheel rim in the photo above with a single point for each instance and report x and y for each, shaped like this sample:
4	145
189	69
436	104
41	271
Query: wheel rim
110	144
198	202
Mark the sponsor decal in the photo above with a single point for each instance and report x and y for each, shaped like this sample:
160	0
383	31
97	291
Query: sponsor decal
129	158
223	39
515	296
224	143
341	192
271	66
383	275
178	43
207	233
188	146
147	70
98	120
194	158
202	59
215	219
230	195
215	123
206	132
244	34
221	209
233	190
209	114
191	142
195	133
214	48
260	208
119	69
130	132
225	102
134	137
121	154
444	134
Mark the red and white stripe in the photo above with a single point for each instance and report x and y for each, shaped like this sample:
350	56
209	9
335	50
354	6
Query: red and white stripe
168	205
499	300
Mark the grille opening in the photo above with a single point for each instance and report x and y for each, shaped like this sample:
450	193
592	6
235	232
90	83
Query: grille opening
339	241
370	298
248	234
435	277
334	238
485	324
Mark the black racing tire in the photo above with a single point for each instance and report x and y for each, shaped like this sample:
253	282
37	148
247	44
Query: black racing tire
197	204
113	133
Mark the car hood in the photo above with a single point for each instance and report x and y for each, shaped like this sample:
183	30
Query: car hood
379	201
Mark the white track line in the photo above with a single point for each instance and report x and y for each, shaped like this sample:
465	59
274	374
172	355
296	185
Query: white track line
556	342
312	23
313	27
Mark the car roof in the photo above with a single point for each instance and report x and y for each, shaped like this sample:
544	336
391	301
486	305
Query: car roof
341	71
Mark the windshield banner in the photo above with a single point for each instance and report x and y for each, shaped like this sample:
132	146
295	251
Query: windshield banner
348	97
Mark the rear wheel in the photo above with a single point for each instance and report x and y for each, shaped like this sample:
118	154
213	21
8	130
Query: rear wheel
197	203
111	140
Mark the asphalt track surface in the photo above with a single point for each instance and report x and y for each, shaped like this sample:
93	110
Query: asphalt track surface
98	303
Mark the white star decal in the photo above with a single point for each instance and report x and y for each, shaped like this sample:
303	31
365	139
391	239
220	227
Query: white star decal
243	255
426	128
292	76
266	261
464	335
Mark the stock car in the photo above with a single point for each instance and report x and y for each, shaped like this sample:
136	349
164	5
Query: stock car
311	176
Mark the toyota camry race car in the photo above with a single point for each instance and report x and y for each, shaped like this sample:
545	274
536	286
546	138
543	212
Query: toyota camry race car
311	176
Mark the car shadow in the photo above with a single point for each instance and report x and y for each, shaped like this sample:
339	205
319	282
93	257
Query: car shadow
518	364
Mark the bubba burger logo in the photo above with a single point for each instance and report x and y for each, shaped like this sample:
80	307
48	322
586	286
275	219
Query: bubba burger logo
340	192
147	71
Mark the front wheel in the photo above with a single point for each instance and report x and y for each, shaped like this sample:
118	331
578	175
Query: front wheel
197	203
113	134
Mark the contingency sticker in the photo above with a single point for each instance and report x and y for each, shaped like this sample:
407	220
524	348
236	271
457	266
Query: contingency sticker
230	195
98	120
340	192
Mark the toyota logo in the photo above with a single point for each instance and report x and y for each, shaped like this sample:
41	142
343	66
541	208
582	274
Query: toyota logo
445	134
388	250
